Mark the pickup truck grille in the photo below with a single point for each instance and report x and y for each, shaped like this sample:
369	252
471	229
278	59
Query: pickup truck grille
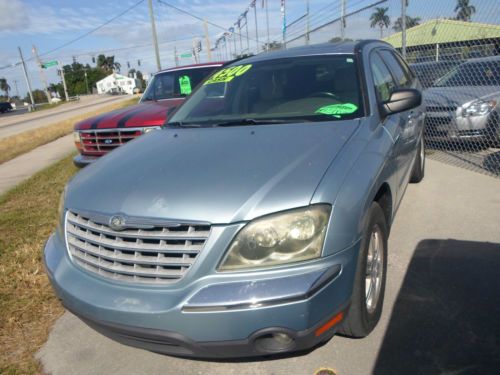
158	254
101	141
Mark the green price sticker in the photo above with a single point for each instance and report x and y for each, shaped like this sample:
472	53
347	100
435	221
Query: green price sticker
337	109
228	74
185	85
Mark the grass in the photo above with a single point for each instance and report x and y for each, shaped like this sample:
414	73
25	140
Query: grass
28	307
18	144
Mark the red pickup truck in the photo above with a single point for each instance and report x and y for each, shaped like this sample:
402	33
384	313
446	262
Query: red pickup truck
98	135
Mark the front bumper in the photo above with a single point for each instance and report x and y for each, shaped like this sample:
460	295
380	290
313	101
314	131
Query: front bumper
445	126
83	160
193	319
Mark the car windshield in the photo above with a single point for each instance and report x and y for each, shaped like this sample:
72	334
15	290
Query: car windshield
175	84
484	73
298	89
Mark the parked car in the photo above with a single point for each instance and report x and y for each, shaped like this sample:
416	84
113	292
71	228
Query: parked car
429	72
465	103
255	222
5	107
98	135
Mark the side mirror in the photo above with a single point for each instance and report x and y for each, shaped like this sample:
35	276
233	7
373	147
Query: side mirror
401	100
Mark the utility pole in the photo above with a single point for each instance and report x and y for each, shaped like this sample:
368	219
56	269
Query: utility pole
256	26
42	73
28	83
207	41
63	80
176	58
86	81
283	20
248	39
403	27
342	20
155	38
267	27
307	22
15	85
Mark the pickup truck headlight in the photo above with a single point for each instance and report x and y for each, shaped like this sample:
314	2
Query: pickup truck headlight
478	108
77	139
277	239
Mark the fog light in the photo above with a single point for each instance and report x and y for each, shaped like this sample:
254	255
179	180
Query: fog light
274	342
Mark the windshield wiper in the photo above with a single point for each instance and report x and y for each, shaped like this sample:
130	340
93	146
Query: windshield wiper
180	124
250	121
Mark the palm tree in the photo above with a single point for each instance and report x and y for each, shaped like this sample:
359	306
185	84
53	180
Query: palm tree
464	10
410	22
381	19
4	86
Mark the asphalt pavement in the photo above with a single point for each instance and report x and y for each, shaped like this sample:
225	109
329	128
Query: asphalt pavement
441	307
17	122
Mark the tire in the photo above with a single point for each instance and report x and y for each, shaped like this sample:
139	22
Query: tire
364	313
418	171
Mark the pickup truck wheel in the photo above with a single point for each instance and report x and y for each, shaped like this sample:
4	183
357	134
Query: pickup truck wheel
418	171
369	283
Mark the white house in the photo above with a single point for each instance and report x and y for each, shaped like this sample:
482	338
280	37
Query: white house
117	83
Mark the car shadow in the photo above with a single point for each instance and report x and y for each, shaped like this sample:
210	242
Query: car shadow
492	163
446	318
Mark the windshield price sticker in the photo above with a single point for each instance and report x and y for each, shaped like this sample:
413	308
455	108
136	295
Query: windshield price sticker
185	85
228	74
338	109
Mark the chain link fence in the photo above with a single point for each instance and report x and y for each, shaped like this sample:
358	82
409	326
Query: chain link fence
454	49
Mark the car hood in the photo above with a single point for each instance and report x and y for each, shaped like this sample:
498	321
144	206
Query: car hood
457	96
215	175
143	114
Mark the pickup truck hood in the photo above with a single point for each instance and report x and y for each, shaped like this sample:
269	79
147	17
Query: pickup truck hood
139	115
457	96
215	175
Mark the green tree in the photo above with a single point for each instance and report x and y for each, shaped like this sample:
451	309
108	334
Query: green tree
4	86
38	95
273	46
108	63
410	22
75	77
379	18
464	10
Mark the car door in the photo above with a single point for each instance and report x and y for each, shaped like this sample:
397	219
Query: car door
411	121
384	85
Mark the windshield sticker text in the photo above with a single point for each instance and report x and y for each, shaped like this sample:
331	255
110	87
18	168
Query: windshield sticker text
338	109
228	74
185	85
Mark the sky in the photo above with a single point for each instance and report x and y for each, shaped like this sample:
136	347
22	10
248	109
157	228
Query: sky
52	24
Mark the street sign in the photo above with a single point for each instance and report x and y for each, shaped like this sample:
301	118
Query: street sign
186	55
48	64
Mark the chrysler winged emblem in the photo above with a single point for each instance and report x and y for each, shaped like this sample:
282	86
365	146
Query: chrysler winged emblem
117	222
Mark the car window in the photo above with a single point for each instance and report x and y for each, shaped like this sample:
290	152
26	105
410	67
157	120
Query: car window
484	73
402	78
310	88
175	84
382	78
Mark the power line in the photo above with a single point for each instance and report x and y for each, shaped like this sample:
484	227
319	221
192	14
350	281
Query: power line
201	19
80	36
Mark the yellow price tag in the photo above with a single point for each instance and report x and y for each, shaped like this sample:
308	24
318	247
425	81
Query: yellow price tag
228	74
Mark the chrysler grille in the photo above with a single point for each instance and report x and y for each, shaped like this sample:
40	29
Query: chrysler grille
158	254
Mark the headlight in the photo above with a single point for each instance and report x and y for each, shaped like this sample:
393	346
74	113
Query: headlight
149	129
478	108
287	237
76	137
60	213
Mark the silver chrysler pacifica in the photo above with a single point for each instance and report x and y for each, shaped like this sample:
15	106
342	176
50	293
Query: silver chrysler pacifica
256	221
